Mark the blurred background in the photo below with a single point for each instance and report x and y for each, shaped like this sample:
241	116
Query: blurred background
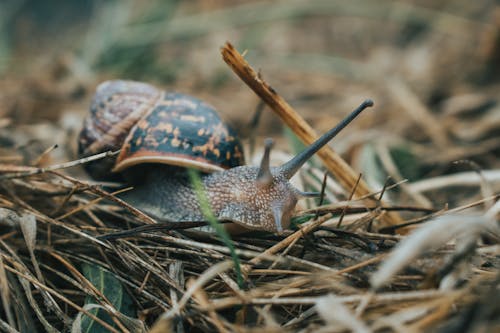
432	68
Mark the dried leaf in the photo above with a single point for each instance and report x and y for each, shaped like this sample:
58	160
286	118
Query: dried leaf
28	227
9	218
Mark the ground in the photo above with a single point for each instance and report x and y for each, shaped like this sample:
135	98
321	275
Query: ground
428	150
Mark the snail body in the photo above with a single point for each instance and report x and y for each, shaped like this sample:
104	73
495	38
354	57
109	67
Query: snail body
227	192
160	134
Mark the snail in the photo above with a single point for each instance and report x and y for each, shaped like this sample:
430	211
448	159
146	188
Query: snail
159	134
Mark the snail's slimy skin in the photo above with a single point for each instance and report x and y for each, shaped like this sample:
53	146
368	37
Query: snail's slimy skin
233	195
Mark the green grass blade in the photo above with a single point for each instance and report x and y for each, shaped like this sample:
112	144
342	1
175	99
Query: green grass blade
214	223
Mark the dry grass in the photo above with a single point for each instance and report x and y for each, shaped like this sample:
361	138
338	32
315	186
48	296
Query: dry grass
317	278
428	152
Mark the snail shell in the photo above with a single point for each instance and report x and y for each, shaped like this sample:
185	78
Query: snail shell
151	126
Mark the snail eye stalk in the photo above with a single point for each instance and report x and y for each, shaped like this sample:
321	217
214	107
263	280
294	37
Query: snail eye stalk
291	167
264	177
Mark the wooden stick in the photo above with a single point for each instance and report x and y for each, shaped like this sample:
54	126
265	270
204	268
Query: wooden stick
333	162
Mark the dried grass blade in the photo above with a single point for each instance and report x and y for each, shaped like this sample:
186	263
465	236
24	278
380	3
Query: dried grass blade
431	235
34	305
35	171
337	315
5	293
208	275
26	279
28	228
305	228
7	328
381	298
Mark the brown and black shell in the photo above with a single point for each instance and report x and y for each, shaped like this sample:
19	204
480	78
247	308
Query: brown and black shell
115	109
184	131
